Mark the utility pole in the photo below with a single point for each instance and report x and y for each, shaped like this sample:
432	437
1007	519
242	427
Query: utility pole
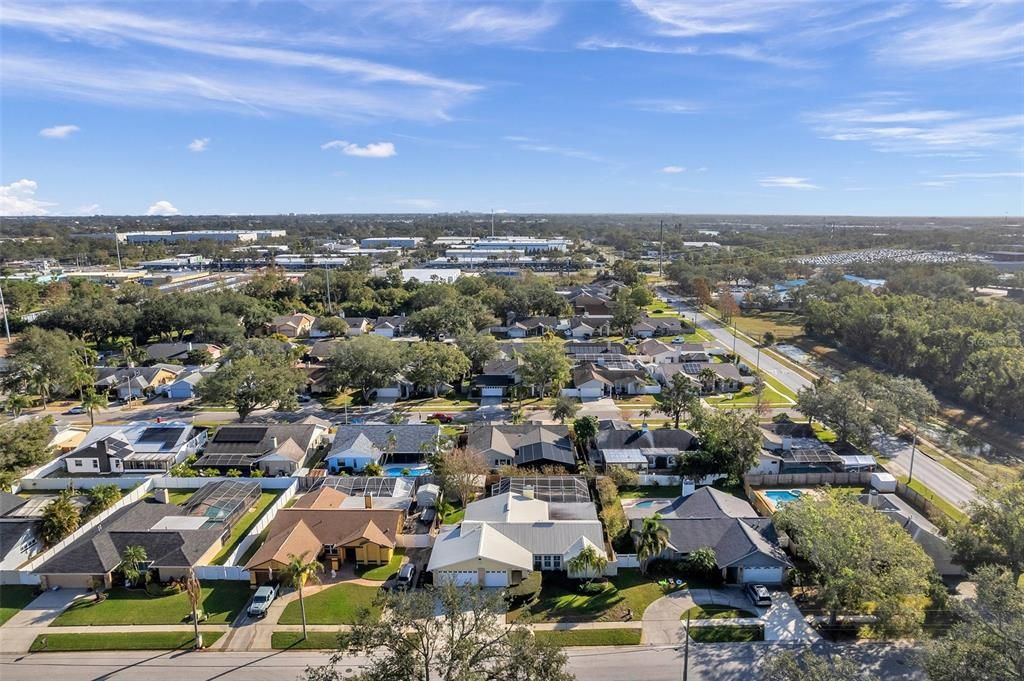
686	650
492	223
117	247
661	250
327	269
3	307
913	451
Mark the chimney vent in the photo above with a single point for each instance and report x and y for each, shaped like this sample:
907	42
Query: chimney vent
273	442
688	488
367	501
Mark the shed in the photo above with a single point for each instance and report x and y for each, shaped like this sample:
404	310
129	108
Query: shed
427	495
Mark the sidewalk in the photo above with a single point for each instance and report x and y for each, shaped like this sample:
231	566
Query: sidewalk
17	633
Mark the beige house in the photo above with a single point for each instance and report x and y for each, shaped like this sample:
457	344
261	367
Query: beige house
296	325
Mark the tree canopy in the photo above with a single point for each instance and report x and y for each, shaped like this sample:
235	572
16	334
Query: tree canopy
255	375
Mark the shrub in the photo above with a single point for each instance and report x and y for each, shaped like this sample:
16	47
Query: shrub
526	592
622	476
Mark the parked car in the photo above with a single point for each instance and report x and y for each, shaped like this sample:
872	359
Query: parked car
442	417
261	601
406	577
632	339
74	411
678	340
759	595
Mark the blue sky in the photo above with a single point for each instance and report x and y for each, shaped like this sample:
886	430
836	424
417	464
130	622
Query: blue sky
718	106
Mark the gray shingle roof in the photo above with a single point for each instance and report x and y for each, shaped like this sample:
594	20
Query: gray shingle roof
409	439
632	438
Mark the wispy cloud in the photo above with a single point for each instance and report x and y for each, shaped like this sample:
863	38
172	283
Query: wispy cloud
501	24
372	150
984	176
689	19
783	182
669	106
540	146
673	170
971	33
59	131
917	131
19	198
744	52
162	208
935	184
199	144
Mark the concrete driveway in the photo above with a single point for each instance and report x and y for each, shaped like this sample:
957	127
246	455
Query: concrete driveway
18	633
604	408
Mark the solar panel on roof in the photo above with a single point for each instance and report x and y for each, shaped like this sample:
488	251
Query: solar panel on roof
693	367
165	436
236	434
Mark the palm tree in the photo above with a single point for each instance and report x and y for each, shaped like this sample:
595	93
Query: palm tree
91	402
651	540
707	377
644	413
16	403
131	558
125	345
39	382
589	562
298	573
195	593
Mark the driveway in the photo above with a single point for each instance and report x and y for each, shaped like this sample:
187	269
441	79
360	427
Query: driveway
604	408
17	633
663	624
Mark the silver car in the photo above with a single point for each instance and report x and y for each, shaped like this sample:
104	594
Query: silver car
261	601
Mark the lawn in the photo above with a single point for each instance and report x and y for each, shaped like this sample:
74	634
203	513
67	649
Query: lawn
747	399
649	492
179	498
943	505
142	640
222	601
380	573
245	524
590	637
561	600
339	604
315	640
715	612
726	634
784	325
455	517
14	598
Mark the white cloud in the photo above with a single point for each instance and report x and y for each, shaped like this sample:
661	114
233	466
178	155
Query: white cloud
688	19
935	184
983	176
88	209
671	170
531	144
669	106
917	131
745	52
501	25
371	150
162	208
59	131
776	182
968	35
199	144
18	198
420	204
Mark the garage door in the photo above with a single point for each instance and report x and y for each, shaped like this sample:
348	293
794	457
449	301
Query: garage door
458	578
491	392
762	575
496	578
591	392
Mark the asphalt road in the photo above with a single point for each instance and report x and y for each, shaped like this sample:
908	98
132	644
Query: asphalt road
708	662
748	352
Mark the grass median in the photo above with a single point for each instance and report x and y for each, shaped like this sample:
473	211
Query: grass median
726	634
292	640
221	602
590	637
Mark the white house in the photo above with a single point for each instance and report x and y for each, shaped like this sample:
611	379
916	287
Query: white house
507	536
137	447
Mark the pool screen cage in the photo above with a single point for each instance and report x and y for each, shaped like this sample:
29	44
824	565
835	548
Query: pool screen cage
223	502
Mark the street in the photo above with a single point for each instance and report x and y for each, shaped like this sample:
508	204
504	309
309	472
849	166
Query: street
708	662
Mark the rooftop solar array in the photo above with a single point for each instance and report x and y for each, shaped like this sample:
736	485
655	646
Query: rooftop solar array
550	488
694	368
165	437
823	455
237	434
544	451
223	502
225	460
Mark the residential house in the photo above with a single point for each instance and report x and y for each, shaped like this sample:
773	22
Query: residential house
20	534
619	443
591	304
658	352
593	380
504	538
295	325
390	327
583	351
331	526
533	326
359	326
498	376
922	530
135	382
746	545
587	327
175	539
728	378
322	350
137	447
648	327
179	352
184	386
273	449
789	447
357	446
527	446
316	331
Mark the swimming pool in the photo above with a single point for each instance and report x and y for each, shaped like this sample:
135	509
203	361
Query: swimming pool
781	497
396	471
647	503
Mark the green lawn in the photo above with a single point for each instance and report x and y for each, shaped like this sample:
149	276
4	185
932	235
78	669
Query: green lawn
561	599
258	542
142	640
380	573
650	492
726	634
747	399
222	601
715	612
339	604
245	524
590	637
179	498
14	598
292	640
943	505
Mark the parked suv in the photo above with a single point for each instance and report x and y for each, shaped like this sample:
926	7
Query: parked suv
406	577
265	595
759	595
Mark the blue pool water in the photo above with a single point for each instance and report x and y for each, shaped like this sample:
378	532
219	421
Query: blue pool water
645	504
414	472
781	497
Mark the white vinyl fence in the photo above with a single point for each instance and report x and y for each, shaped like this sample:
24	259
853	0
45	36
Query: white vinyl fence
262	524
221	572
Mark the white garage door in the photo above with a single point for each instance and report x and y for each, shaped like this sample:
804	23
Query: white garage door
491	392
458	577
496	578
762	575
591	392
